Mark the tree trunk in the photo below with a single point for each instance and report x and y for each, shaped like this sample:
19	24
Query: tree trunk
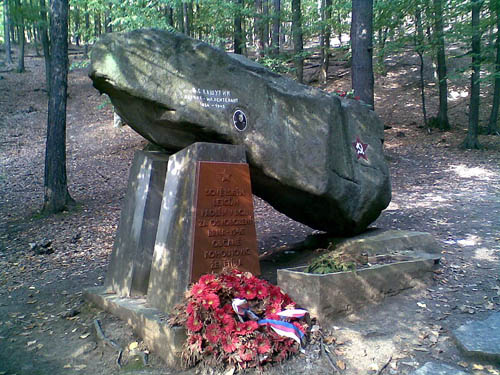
97	25
265	24
362	50
185	18
56	197
87	32
493	122
180	17
441	66
419	44
258	28
326	14
6	28
108	27
298	45
169	13
471	140
22	40
238	33
275	40
77	26
45	42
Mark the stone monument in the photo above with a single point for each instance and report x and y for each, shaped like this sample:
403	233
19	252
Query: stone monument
314	156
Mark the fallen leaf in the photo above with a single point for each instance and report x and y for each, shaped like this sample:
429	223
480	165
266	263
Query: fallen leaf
85	335
341	364
422	305
476	366
373	367
463	364
67	366
31	343
80	367
39	346
133	345
329	340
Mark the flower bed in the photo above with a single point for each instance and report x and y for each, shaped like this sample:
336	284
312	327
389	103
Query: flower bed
234	318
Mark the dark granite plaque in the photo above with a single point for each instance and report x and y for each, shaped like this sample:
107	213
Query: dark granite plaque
224	227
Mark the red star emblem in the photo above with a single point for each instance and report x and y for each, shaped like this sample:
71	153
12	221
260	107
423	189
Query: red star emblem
360	148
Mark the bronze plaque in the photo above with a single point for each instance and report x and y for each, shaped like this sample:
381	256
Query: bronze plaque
224	227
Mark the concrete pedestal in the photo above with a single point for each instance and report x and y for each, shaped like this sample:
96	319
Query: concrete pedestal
130	264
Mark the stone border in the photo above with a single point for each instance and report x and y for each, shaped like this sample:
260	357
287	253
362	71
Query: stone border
332	295
148	323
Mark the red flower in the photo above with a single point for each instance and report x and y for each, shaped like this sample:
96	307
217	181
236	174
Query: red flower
275	294
197	290
193	323
190	308
213	333
251	326
240	329
228	323
210	301
262	291
229	343
248	292
273	310
263	345
210	282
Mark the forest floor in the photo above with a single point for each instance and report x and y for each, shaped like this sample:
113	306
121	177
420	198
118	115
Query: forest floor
47	328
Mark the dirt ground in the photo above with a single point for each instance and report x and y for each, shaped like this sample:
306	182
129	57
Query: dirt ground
47	328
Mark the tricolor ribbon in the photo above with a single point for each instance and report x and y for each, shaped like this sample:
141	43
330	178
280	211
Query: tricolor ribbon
283	329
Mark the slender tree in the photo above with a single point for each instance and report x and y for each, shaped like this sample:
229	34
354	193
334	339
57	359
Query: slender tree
56	195
45	42
275	40
298	45
21	37
326	15
6	28
362	50
493	122
238	32
265	24
471	140
442	116
419	47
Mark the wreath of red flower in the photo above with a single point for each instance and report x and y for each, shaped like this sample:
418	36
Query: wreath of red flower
216	334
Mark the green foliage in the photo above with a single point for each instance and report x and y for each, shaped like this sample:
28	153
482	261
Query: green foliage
279	64
79	64
329	263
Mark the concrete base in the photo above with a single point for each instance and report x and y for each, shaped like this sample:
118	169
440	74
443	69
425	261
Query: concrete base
148	323
336	294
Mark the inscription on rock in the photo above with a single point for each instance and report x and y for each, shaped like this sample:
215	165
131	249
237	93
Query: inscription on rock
224	227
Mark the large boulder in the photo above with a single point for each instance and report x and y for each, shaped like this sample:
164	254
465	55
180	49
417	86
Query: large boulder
313	156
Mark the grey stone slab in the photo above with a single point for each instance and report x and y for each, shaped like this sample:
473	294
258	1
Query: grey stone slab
336	294
380	241
480	338
436	368
130	264
172	259
148	323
